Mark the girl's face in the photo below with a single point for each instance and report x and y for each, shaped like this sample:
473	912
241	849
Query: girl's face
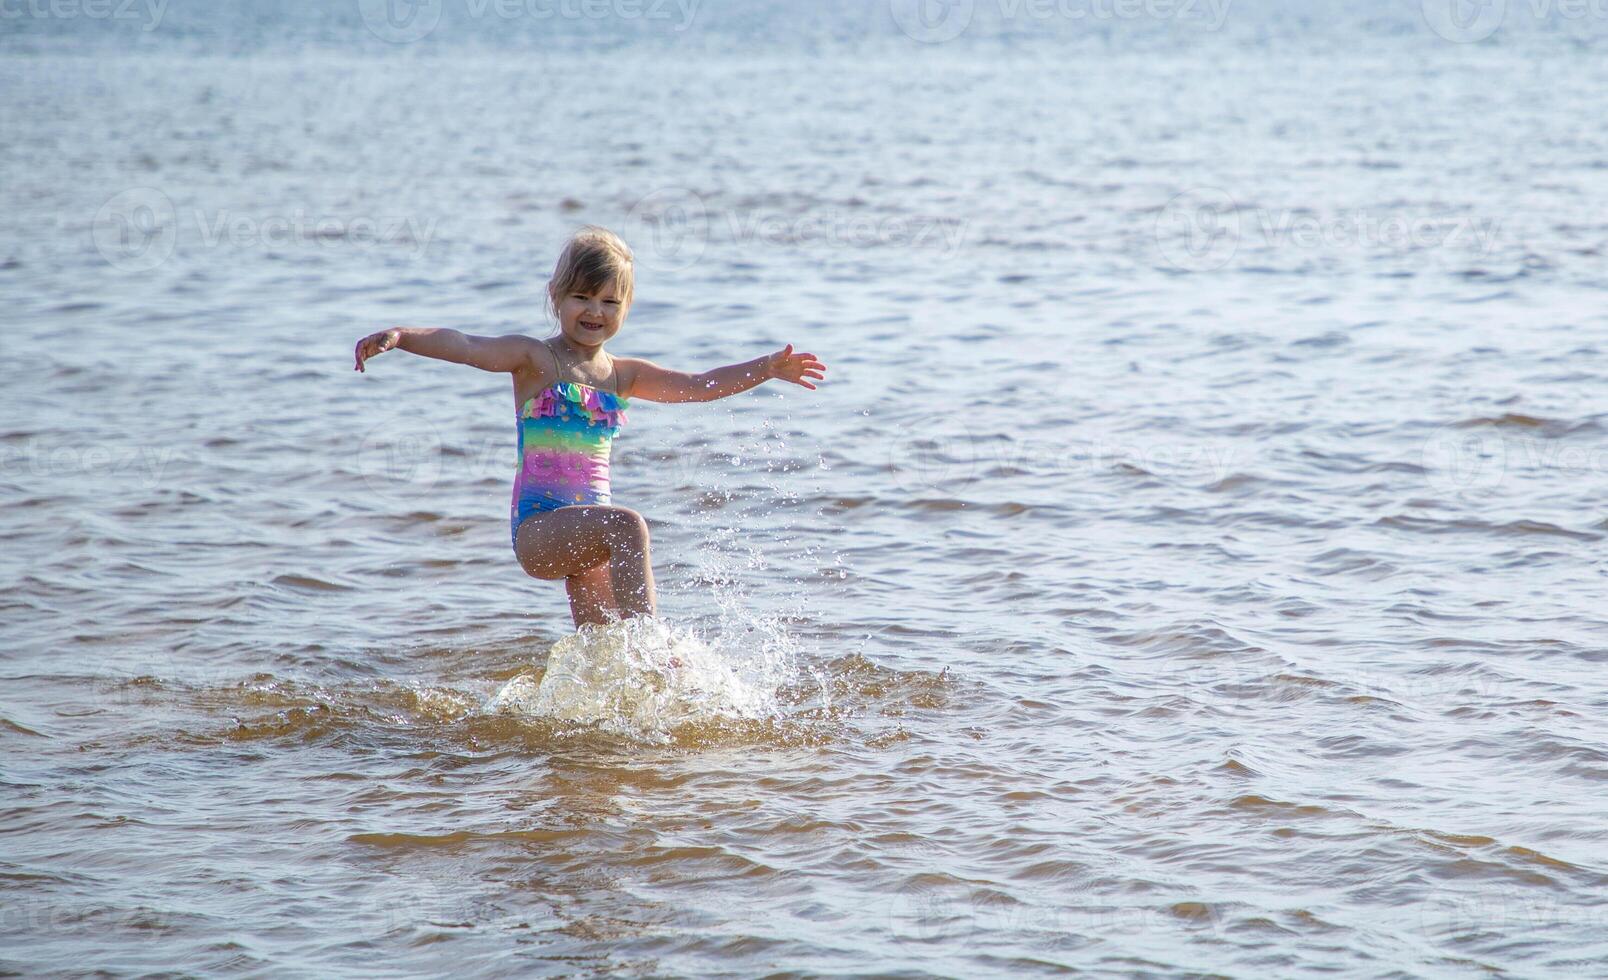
590	319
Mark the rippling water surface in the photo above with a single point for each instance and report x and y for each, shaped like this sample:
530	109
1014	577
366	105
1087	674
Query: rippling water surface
1192	565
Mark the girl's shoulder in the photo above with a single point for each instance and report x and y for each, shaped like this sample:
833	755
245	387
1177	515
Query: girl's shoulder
626	372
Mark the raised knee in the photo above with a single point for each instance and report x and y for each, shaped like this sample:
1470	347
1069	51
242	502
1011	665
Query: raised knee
628	527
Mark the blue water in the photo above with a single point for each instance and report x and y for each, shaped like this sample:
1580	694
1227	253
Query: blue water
1192	566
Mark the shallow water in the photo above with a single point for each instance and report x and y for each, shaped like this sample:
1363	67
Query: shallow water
1192	565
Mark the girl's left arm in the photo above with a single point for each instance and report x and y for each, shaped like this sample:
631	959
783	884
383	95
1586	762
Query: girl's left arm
650	382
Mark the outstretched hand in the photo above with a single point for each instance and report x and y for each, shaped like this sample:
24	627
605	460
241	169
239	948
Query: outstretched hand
376	343
793	367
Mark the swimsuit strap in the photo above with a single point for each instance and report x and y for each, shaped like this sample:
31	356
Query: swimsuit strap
558	372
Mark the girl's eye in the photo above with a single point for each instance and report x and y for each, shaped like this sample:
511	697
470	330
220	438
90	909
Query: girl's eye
612	302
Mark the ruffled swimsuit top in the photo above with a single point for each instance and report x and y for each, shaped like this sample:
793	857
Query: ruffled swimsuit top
565	435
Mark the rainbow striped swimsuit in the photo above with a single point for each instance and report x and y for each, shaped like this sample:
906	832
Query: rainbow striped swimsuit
565	434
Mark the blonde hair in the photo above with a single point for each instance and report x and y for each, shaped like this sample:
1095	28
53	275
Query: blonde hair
592	260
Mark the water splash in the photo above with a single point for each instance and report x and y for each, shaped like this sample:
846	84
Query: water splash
645	679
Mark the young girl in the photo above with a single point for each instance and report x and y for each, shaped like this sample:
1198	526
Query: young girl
571	398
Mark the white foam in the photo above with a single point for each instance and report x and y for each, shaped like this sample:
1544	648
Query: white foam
644	679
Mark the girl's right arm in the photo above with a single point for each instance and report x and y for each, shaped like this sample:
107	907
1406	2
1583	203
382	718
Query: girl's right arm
502	354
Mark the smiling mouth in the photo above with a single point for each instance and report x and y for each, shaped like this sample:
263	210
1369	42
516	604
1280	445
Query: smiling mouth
592	326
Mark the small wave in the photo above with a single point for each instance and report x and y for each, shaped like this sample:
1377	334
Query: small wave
1284	808
308	583
1552	428
1510	528
6	724
1240	484
459	838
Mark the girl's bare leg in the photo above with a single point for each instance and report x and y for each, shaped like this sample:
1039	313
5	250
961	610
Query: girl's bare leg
573	540
591	597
